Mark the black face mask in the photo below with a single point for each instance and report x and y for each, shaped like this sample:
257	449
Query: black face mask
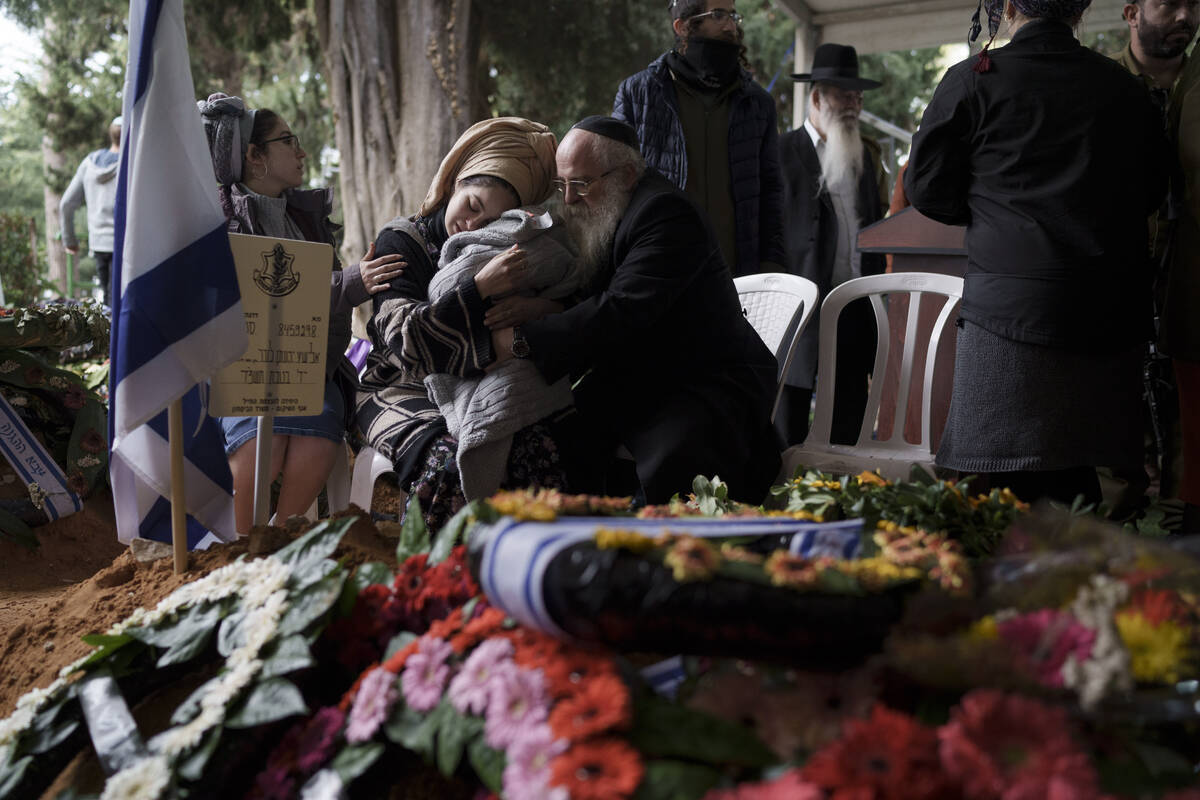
712	63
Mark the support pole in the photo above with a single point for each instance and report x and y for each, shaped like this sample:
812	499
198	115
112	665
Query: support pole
262	464
178	503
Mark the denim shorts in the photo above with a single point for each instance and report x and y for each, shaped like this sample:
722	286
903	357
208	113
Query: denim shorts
329	424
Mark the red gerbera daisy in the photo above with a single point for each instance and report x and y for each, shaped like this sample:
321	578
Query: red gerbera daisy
574	666
601	704
1013	747
889	756
478	629
602	769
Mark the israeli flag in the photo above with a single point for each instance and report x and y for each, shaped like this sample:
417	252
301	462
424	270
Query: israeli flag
177	312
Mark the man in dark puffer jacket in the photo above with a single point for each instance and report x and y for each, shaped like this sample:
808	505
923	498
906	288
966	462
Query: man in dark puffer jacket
706	125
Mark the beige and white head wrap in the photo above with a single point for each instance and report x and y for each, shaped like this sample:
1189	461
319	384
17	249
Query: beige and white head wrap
517	150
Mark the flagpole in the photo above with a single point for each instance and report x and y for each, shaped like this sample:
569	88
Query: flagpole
178	502
262	482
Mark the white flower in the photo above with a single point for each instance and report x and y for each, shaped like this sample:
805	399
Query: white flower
87	461
1108	668
8	366
143	780
57	382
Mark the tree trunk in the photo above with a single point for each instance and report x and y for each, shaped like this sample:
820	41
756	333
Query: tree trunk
402	86
53	163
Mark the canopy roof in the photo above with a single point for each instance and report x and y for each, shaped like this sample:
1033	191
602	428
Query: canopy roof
873	26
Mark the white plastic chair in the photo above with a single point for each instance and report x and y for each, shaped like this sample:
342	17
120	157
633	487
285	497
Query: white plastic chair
772	301
894	456
369	464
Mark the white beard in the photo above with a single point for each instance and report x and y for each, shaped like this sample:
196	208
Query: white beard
842	159
592	230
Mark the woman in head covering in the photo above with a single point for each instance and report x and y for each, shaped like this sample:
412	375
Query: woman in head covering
259	165
496	165
1052	156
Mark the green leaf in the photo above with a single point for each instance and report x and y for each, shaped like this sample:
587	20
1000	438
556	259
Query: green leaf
456	730
10	779
675	780
355	759
742	571
286	655
231	635
414	536
43	741
270	700
15	529
411	729
186	711
191	768
487	763
918	474
318	543
666	730
1161	762
184	637
371	573
455	529
308	605
399	642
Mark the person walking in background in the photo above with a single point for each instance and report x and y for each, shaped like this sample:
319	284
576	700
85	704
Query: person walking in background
95	183
833	185
703	122
1024	145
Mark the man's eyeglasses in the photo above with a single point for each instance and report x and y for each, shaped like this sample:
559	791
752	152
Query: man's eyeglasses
290	139
578	186
719	15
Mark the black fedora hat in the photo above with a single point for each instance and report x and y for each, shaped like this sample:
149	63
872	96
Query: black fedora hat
837	64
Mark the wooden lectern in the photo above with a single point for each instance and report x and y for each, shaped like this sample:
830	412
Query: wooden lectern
917	244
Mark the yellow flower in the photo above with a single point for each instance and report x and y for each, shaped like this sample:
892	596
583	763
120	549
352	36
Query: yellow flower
872	478
732	552
878	573
984	630
1156	652
691	559
798	572
523	506
614	539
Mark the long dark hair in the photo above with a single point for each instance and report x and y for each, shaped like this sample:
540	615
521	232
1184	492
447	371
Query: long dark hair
488	180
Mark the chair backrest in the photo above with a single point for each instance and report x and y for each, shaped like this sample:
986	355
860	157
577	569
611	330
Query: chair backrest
915	285
776	303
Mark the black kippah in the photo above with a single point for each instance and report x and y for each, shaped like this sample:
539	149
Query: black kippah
611	128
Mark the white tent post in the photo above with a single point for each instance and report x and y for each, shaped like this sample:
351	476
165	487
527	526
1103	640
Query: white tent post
178	500
262	464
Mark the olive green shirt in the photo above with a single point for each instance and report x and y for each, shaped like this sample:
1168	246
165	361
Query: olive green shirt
705	120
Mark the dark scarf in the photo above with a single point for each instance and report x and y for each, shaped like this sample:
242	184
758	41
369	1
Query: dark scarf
433	231
707	64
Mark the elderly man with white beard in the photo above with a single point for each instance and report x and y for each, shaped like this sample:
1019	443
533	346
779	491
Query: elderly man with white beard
668	366
833	186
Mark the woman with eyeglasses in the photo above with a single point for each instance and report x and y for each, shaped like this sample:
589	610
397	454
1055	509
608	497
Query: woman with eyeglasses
259	165
495	166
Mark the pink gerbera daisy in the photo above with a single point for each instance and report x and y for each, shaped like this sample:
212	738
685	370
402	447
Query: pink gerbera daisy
425	673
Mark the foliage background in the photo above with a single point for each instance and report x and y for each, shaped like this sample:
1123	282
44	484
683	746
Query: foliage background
554	60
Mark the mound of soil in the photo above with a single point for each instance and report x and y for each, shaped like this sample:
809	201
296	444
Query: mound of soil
81	580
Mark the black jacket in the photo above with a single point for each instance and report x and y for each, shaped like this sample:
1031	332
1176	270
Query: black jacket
647	101
1053	158
810	230
677	372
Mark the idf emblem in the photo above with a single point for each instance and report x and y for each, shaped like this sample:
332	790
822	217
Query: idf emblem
277	278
